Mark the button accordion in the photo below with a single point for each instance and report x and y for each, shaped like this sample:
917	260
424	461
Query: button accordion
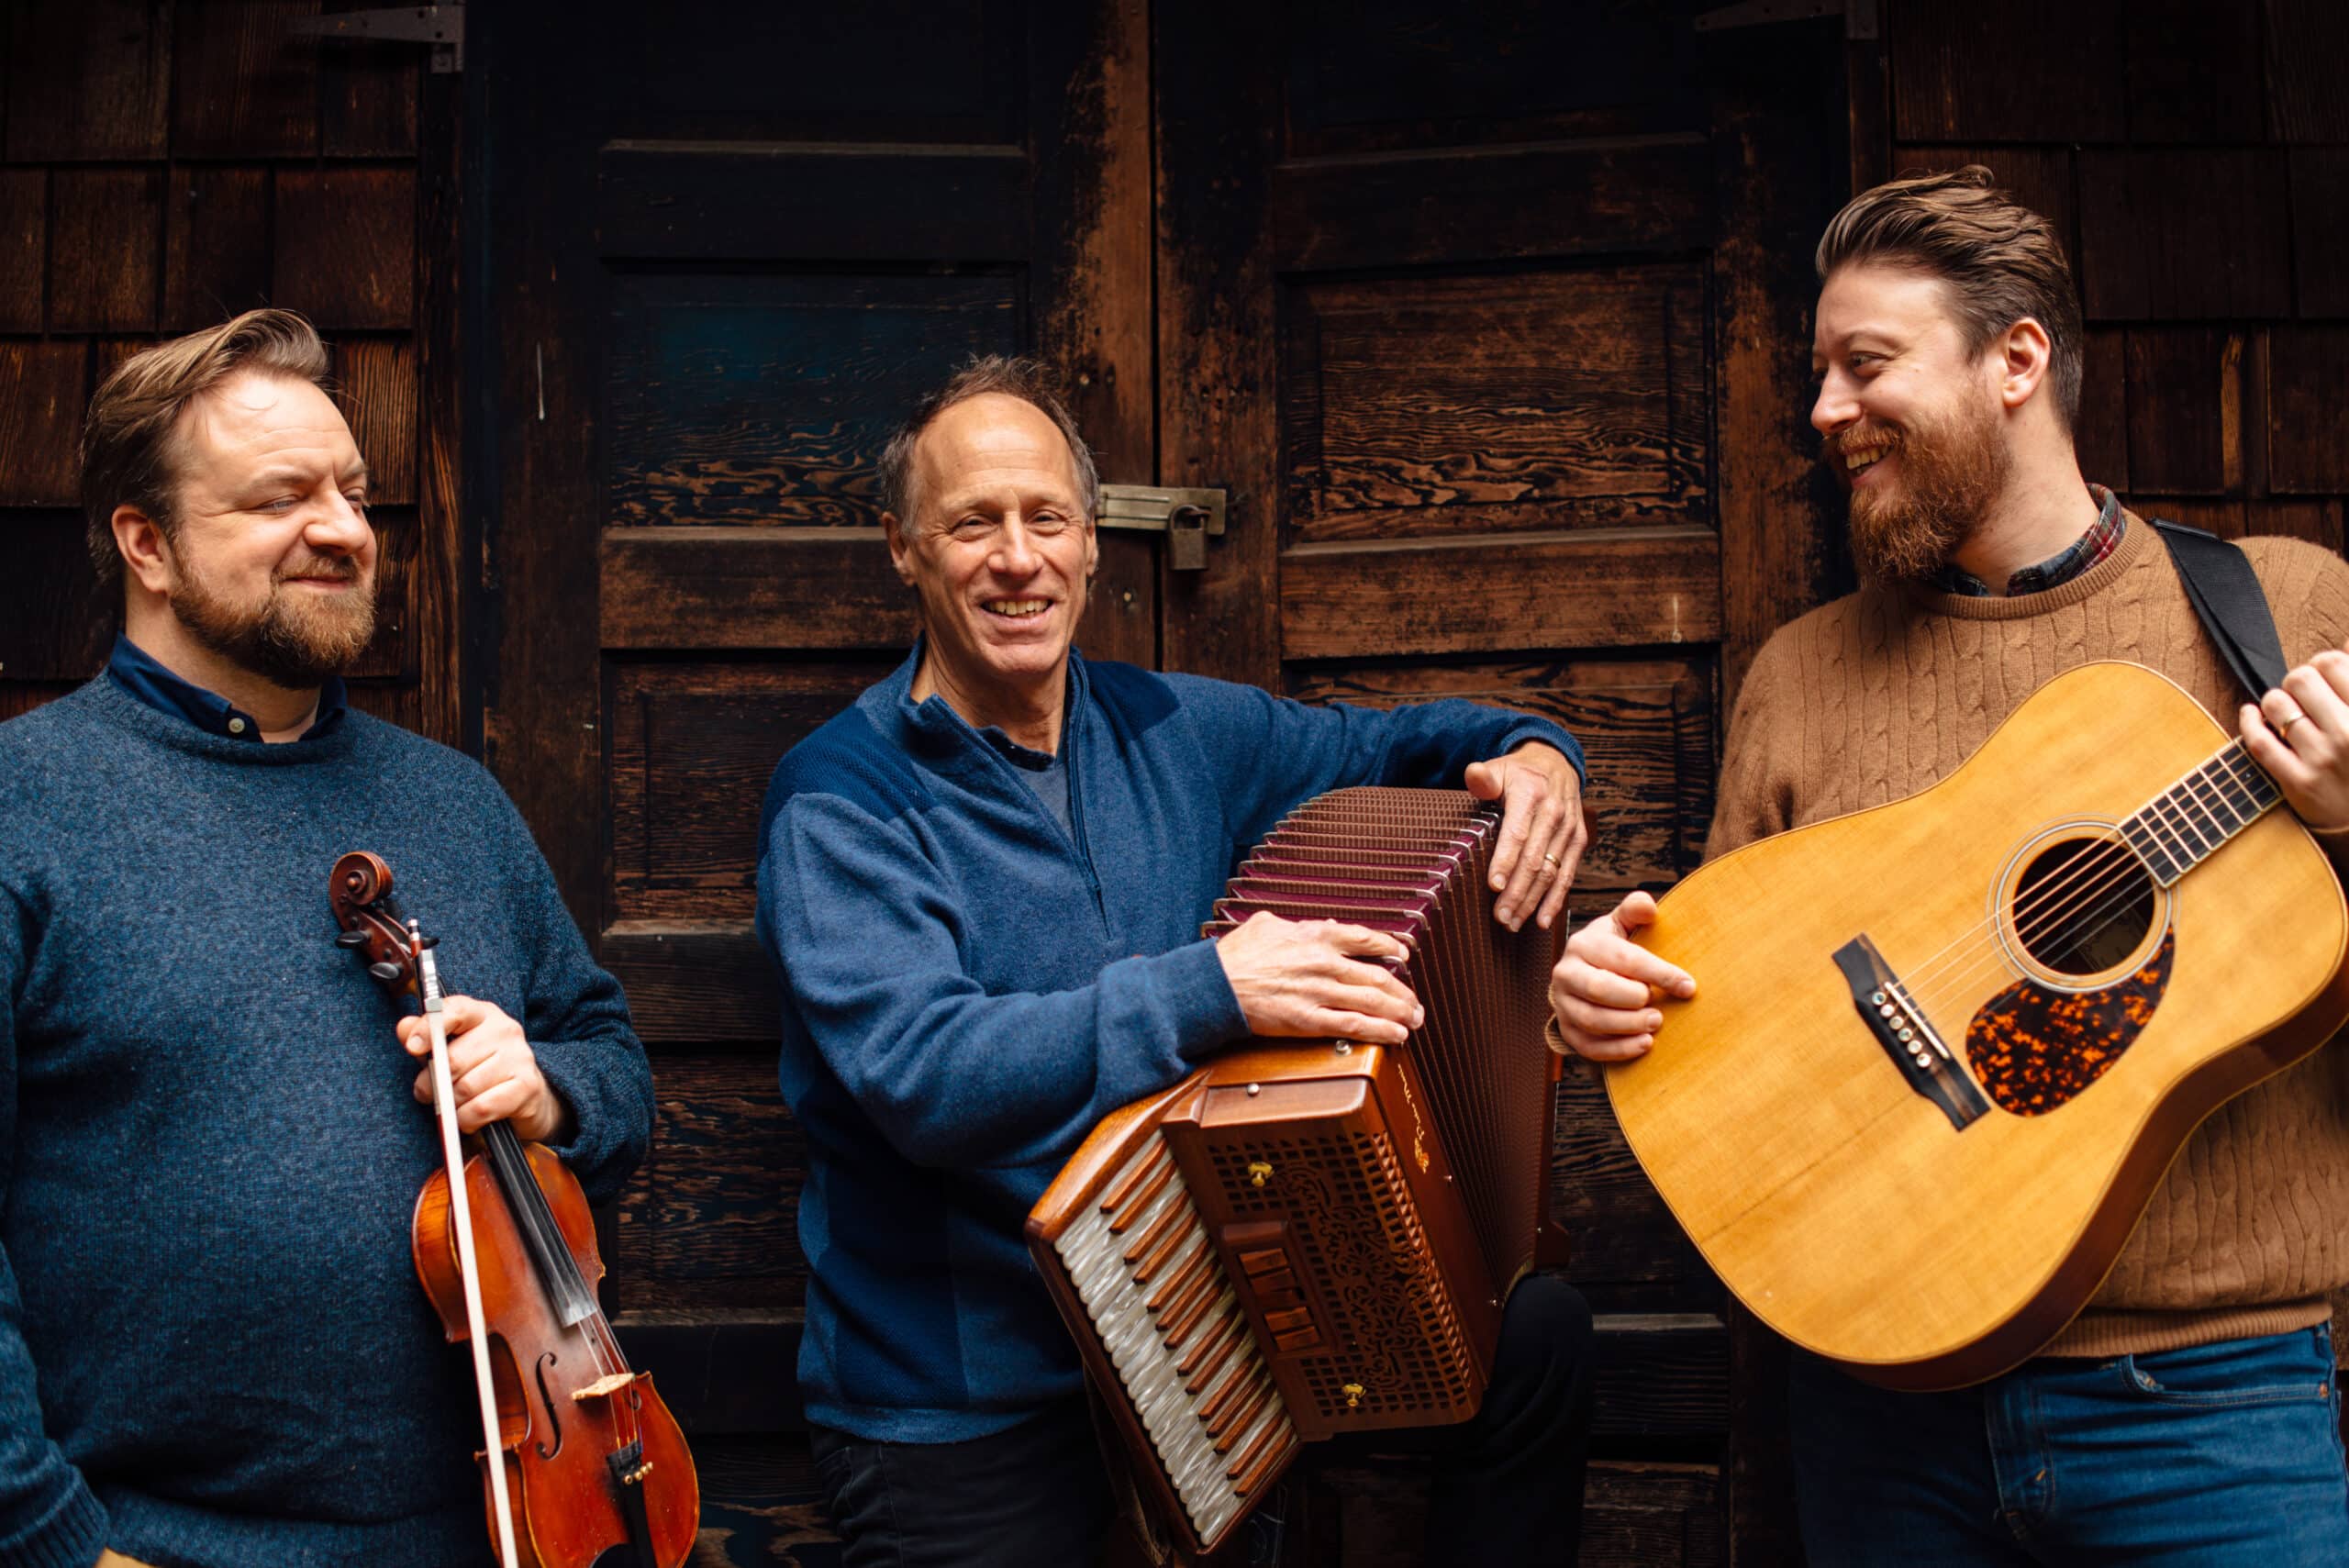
1306	1237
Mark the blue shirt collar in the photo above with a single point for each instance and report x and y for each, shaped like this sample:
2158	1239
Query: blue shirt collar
152	684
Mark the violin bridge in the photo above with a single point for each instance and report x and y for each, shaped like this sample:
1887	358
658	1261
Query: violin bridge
604	1387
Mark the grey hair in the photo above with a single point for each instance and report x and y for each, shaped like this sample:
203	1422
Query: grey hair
1028	380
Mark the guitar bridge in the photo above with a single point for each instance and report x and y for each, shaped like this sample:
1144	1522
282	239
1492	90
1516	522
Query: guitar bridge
1907	1036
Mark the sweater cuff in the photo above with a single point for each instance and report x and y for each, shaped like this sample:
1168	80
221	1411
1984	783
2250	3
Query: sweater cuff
1548	735
590	1146
71	1536
1207	1014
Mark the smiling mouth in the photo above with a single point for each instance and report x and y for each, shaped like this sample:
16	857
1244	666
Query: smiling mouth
1864	457
1017	609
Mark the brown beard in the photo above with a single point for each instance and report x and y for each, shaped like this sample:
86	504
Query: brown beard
291	642
1951	473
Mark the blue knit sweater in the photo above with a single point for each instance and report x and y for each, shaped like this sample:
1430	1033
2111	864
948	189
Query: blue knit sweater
969	988
214	1352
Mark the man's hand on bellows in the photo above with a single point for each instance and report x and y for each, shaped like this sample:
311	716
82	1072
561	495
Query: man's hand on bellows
1543	832
496	1071
2300	733
1606	984
1313	977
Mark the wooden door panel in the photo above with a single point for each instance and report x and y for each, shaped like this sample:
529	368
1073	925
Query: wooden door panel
1428	406
711	1220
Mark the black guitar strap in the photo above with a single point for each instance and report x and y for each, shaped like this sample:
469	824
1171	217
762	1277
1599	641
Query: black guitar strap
2228	598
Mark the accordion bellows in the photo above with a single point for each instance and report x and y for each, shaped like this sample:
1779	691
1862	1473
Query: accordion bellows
1312	1236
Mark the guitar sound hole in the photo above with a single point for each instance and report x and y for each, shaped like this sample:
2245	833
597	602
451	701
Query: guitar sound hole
2083	906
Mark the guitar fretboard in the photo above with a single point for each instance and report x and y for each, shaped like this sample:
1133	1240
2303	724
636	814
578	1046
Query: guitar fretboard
2184	826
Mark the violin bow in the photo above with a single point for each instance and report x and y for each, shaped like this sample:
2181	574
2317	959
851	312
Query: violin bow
444	1103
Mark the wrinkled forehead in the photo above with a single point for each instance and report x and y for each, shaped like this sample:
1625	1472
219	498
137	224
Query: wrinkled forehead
252	422
993	444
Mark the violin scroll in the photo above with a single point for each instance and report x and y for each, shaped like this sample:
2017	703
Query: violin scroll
360	889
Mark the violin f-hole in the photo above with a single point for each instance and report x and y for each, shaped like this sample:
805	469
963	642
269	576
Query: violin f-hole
546	1399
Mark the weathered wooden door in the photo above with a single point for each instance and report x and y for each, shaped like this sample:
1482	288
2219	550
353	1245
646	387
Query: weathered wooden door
1490	319
1493	318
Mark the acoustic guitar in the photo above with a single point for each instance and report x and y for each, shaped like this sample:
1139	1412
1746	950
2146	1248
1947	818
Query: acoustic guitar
1942	1051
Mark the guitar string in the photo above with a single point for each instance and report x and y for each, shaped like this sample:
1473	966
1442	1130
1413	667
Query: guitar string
2129	875
2083	864
2130	880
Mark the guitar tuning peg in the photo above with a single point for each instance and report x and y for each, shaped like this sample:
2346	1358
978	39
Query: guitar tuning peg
350	938
385	972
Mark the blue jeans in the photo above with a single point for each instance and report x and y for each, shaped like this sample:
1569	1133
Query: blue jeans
2215	1456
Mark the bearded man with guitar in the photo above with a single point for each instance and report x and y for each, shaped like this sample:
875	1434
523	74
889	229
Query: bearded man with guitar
2189	1413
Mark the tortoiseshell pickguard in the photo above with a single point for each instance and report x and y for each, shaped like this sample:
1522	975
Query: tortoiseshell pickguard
2033	1048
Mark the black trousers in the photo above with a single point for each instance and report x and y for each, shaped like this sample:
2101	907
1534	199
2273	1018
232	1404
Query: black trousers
1506	1489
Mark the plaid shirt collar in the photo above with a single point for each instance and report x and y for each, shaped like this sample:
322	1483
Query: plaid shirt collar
2083	553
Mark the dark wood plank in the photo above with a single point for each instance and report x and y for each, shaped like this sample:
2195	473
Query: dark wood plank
1626	1253
1646	727
1417	207
56	624
345	246
42	395
89	82
105	240
244	83
2321	228
700	982
2185	396
1779	517
761	1504
710	1219
2308	441
216	244
20	697
2101	435
712	588
391	655
857	203
1454	596
1420	406
720	1371
1216	75
2318	522
368	95
448	542
375	386
2307	40
2041	178
1636	1514
1090	213
394	702
1966	72
2224	519
24	247
2193	71
693	745
766	399
2170	236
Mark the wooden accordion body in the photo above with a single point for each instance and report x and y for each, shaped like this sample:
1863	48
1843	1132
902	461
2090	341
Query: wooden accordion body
1312	1237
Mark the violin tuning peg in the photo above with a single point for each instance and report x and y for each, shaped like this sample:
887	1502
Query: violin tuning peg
350	938
385	972
428	942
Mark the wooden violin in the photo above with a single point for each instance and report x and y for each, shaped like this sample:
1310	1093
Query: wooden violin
589	1460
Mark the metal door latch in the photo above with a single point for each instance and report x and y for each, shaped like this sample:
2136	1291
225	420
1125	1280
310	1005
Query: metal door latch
442	27
1186	517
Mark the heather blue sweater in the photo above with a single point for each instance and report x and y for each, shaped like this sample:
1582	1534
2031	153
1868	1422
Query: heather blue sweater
969	988
214	1352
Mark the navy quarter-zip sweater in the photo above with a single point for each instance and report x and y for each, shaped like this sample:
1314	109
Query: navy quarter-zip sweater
214	1352
969	987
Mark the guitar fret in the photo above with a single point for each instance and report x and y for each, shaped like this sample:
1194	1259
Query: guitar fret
2187	823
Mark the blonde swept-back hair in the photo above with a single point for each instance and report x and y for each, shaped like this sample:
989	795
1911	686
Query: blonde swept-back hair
127	451
2000	260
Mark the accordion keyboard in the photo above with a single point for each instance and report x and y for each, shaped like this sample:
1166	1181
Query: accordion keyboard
1154	1287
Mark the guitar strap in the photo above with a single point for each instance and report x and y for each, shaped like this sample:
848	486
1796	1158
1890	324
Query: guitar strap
2228	598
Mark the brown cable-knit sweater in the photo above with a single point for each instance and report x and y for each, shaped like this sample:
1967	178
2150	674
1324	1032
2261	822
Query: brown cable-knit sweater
1878	696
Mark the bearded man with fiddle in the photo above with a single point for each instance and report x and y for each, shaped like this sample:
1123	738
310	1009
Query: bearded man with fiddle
214	1352
2189	1413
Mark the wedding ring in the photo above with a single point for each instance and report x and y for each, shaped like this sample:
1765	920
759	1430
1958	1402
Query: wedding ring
2289	722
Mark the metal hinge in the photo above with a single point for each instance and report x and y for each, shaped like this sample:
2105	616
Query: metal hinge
1186	517
1859	16
442	27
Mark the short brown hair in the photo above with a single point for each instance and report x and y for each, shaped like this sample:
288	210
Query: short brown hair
1028	381
2000	260
126	441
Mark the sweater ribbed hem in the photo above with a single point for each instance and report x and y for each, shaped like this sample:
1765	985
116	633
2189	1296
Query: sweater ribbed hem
2101	1334
71	1537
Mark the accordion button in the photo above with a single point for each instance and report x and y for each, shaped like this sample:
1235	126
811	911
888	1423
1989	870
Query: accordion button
1278	1281
1263	1260
1305	1339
